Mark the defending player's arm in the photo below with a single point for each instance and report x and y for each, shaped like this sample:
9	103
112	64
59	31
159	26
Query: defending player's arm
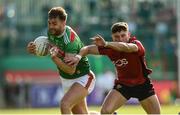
90	49
62	65
121	46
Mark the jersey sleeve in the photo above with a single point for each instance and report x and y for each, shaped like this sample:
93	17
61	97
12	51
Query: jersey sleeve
105	51
141	49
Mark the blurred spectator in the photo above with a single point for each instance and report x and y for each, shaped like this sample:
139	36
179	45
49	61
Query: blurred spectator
45	10
106	12
161	28
157	5
11	92
1	13
69	9
92	6
132	26
144	11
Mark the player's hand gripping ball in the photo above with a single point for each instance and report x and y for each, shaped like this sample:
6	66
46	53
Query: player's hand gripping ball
42	46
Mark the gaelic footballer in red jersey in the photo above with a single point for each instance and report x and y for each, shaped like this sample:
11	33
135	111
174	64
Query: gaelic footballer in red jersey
129	71
127	54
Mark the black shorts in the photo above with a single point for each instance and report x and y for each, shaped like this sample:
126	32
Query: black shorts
140	92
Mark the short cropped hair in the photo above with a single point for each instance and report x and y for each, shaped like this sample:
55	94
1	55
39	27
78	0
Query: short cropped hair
119	26
57	12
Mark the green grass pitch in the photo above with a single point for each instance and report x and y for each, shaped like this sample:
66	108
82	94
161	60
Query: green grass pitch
127	109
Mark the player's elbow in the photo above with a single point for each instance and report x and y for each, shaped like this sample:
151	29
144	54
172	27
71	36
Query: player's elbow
129	49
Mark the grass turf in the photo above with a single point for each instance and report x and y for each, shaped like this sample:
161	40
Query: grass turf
127	109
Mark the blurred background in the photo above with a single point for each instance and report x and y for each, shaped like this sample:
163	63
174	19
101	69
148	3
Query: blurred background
30	81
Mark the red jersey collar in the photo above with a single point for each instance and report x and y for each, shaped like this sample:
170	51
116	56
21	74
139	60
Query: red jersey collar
132	39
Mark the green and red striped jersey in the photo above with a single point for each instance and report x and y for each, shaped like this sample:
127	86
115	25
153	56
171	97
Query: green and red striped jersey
70	42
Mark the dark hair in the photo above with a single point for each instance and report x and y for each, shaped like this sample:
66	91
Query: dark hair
118	27
57	12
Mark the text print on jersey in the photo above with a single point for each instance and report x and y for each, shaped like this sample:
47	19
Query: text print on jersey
121	62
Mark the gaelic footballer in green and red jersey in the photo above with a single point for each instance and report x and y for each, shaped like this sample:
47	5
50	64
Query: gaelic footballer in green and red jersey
69	42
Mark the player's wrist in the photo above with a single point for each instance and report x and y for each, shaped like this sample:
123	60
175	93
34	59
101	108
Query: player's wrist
106	44
78	56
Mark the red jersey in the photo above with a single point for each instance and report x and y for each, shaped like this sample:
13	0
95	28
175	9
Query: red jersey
130	67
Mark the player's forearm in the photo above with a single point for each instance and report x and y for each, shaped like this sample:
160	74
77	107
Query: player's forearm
64	67
84	51
90	49
120	46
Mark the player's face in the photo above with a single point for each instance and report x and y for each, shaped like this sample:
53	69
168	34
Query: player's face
55	26
122	36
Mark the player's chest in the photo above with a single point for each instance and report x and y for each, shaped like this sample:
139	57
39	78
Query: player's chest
123	59
59	42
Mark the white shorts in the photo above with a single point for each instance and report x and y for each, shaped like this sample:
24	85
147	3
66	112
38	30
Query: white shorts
87	81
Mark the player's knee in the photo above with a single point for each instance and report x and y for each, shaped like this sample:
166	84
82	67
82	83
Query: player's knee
106	110
65	104
155	111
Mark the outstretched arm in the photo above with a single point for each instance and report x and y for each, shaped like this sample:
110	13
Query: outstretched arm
121	46
118	46
74	60
90	49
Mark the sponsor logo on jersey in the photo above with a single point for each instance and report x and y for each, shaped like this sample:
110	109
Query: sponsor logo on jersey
121	62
